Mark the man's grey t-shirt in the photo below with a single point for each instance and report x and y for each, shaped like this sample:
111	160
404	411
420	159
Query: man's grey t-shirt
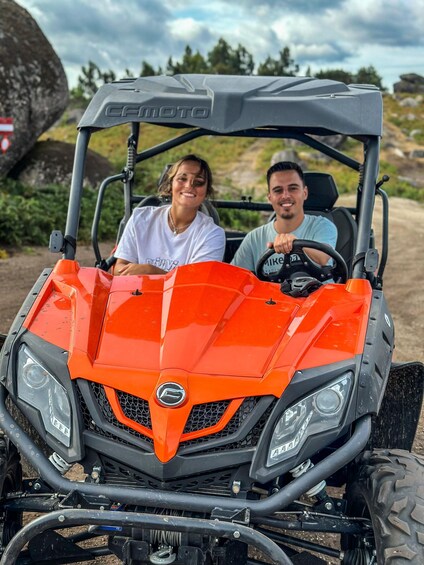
254	245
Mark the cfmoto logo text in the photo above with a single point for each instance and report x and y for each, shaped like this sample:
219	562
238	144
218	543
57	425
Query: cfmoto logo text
168	112
170	394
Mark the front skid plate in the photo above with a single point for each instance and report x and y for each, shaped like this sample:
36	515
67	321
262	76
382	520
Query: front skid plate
76	517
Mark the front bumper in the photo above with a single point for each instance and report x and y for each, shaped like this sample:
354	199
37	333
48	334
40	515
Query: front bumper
179	500
77	517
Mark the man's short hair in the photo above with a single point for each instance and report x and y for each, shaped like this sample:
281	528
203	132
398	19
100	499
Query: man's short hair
284	166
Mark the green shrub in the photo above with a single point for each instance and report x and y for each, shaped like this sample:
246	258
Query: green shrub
29	215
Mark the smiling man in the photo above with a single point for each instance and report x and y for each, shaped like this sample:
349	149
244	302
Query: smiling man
287	193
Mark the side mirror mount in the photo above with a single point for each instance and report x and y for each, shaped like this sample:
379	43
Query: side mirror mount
56	242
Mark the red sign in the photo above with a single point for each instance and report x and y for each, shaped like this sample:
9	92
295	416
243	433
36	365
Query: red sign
6	130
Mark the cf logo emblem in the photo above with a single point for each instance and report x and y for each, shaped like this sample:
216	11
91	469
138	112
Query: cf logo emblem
170	394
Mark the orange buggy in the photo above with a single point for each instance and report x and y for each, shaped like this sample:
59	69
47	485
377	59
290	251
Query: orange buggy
211	408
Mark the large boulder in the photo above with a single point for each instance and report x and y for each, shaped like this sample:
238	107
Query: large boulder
336	141
51	162
288	155
410	83
33	86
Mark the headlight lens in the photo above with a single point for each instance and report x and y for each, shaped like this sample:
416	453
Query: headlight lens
318	412
38	388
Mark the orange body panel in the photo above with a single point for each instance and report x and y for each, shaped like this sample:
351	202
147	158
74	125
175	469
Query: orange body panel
211	327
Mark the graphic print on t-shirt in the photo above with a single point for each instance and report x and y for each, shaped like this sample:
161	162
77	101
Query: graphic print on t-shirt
163	263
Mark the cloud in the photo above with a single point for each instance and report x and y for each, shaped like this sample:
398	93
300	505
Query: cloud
328	53
383	22
112	34
279	7
322	34
187	31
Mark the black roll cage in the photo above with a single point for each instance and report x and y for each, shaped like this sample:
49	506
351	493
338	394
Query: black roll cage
365	194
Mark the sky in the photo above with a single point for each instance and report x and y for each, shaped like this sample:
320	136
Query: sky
321	34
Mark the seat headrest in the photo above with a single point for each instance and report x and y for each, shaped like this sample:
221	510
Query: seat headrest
322	191
164	173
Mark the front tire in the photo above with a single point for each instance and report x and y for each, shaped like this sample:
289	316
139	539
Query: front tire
387	487
10	481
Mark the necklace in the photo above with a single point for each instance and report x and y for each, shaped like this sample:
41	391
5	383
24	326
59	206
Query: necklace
174	228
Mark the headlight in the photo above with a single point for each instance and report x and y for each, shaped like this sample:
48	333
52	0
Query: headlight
38	388
318	412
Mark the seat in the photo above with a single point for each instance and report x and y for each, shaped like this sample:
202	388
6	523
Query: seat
322	196
322	192
233	241
347	231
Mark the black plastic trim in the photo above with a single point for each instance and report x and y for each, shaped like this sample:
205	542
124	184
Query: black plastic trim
101	422
178	466
54	359
303	384
376	360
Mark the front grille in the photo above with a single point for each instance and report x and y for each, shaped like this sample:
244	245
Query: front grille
117	473
103	402
252	437
233	425
135	408
112	428
205	416
243	430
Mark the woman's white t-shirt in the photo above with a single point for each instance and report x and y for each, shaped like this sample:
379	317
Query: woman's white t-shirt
147	238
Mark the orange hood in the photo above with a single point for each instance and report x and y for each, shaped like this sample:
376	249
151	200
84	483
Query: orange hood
213	328
207	318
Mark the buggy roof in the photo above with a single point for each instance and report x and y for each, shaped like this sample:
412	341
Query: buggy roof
227	104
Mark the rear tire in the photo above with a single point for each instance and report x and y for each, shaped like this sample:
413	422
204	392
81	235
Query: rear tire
387	487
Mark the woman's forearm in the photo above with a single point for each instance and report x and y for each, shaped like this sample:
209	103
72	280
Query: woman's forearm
124	268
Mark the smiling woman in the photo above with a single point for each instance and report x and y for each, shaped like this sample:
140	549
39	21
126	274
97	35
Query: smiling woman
158	239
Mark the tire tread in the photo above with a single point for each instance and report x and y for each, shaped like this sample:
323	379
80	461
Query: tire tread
386	483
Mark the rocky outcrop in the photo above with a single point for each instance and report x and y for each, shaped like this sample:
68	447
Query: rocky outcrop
33	85
50	162
288	155
410	83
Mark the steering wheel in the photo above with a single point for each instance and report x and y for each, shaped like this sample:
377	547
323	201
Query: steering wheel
298	264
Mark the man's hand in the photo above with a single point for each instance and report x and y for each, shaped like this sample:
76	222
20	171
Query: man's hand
283	243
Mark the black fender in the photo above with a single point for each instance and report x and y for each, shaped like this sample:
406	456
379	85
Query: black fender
397	421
